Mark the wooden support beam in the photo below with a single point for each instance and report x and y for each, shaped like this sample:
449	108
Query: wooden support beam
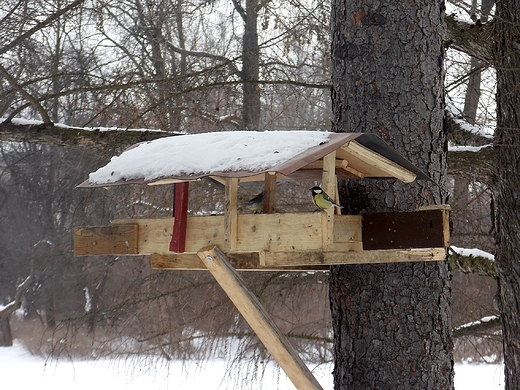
277	259
102	240
269	193
249	261
258	318
328	184
180	215
231	214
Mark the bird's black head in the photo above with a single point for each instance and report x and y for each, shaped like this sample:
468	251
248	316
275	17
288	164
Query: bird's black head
316	190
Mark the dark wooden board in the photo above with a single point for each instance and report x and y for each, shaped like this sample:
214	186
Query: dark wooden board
405	230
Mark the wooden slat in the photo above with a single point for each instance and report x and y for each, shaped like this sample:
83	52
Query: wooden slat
403	230
250	261
258	318
276	259
106	240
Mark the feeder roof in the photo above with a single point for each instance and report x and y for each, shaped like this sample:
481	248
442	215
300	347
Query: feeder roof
250	154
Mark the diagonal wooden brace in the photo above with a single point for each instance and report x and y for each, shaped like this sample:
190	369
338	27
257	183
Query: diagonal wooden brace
257	317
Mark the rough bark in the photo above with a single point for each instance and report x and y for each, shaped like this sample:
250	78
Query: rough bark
391	322
507	163
250	66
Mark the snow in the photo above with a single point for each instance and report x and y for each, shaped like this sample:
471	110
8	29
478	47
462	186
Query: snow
458	148
198	154
34	122
19	369
472	252
457	117
478	322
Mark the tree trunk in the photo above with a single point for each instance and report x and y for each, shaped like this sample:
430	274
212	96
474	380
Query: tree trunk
507	182
6	337
391	322
250	67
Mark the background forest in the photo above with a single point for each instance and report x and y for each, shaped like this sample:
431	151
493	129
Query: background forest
188	67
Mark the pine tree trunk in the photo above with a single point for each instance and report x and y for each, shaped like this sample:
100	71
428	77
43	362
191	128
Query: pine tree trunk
507	182
391	322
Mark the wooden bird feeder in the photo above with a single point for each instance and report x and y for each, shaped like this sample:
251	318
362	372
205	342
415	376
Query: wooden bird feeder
275	241
282	241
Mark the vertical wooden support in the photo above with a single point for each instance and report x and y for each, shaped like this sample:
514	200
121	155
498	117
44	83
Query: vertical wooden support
231	214
328	184
269	192
259	320
180	215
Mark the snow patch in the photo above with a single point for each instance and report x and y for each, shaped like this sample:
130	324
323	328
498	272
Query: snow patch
474	252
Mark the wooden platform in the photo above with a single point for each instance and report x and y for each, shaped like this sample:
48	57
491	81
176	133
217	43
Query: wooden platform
299	241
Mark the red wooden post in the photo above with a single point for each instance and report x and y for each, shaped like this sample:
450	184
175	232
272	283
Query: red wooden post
180	215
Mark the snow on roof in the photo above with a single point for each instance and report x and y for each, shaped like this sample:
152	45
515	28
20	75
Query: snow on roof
200	154
233	154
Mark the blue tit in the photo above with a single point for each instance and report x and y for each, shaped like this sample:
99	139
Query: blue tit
255	204
322	200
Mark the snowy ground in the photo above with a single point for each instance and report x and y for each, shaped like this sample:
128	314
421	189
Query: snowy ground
20	369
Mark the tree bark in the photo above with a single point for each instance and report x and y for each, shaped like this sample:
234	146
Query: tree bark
507	178
6	337
391	322
250	65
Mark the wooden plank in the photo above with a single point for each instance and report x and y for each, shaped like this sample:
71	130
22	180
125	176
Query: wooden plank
256	232
347	228
155	234
250	261
106	240
276	259
231	214
269	193
279	232
180	217
258	318
372	164
402	230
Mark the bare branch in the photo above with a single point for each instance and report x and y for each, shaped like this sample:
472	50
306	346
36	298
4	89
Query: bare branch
51	18
30	98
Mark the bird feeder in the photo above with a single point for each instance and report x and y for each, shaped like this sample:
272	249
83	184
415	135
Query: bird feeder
270	240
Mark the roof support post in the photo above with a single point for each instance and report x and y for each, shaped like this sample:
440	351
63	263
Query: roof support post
257	317
328	184
231	214
180	215
269	192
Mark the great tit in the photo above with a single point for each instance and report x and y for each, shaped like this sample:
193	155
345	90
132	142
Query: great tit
255	204
322	200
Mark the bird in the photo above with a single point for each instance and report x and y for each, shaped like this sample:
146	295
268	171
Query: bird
322	200
255	204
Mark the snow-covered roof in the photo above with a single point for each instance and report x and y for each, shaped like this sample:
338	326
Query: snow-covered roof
250	153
